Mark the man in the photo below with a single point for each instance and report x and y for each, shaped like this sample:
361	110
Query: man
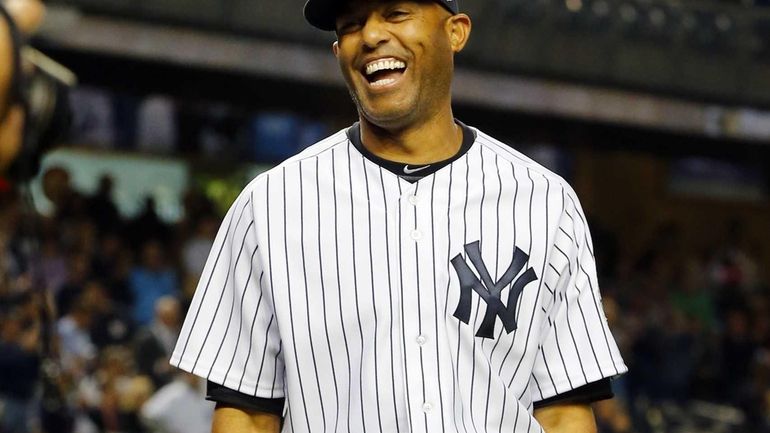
19	364
357	286
155	342
27	14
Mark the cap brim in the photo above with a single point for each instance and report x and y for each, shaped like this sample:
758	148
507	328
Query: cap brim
322	14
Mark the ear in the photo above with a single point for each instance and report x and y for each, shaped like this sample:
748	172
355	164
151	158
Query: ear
336	49
459	30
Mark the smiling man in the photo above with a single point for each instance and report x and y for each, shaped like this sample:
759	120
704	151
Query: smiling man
407	274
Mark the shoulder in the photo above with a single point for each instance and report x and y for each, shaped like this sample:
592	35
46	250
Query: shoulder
521	162
325	146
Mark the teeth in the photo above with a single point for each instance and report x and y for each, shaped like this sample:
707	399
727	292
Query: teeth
381	65
383	82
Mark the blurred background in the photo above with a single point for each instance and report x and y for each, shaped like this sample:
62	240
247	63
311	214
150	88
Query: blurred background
656	111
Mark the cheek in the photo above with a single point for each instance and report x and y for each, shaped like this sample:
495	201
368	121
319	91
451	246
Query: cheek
436	60
346	75
345	62
432	49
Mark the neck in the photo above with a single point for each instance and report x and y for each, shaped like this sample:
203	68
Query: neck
434	140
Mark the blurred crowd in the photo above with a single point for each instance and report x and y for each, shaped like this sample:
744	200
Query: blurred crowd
694	327
92	305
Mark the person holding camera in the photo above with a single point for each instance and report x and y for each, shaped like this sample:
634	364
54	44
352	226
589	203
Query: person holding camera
34	105
34	114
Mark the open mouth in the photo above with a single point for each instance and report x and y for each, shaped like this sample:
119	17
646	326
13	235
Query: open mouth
383	72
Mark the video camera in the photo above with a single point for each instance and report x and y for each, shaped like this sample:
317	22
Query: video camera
41	87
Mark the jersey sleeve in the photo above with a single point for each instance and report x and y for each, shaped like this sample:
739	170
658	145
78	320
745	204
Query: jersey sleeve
230	336
576	346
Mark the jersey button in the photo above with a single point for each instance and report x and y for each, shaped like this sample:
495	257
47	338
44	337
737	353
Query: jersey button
421	340
416	235
427	407
413	200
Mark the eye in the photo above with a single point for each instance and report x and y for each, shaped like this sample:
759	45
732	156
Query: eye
347	25
397	14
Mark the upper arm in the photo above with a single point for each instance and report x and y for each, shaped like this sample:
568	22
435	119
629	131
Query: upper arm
229	419
566	418
230	335
576	346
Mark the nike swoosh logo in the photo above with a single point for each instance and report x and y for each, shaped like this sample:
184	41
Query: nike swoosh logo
408	170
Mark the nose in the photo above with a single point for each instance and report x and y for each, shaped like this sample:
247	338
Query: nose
374	32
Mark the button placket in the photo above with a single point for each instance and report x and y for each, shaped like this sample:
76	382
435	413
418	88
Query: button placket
416	230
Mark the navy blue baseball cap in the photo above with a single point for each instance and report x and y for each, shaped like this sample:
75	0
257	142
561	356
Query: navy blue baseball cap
322	14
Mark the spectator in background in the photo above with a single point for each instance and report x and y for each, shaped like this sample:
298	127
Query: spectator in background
53	264
179	407
112	263
130	402
691	297
111	325
155	343
738	351
101	208
150	281
72	289
84	238
148	225
19	366
734	270
196	205
113	395
69	205
77	349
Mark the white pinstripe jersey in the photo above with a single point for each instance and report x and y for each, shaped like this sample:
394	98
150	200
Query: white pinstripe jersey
345	289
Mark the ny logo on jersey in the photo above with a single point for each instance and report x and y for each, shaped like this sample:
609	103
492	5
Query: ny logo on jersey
490	291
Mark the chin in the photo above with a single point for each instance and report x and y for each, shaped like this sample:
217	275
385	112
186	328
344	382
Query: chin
388	120
388	117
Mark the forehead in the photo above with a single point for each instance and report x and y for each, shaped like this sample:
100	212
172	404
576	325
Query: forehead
358	6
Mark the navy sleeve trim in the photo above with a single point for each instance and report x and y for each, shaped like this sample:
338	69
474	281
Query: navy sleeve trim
594	391
227	396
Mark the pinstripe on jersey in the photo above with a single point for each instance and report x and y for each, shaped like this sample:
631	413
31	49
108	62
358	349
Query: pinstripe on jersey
331	284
